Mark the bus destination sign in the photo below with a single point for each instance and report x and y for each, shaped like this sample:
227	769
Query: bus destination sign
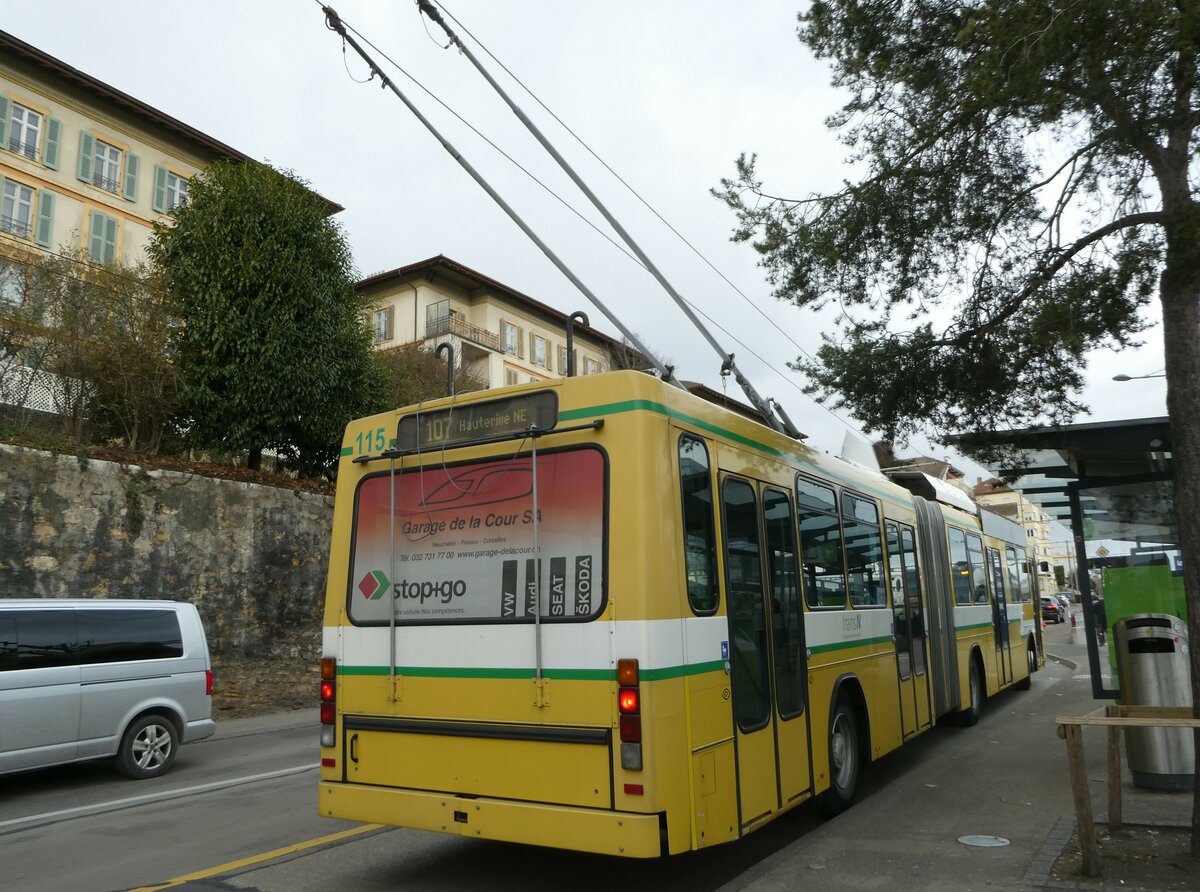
477	421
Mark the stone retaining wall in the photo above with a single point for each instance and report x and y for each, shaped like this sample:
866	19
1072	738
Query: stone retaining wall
252	558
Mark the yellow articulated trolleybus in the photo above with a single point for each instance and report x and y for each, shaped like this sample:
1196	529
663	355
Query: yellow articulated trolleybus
603	614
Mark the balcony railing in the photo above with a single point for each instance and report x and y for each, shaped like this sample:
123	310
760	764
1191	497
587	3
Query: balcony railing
105	183
28	149
13	226
454	325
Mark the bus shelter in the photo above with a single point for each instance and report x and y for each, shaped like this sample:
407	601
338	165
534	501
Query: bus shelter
1111	483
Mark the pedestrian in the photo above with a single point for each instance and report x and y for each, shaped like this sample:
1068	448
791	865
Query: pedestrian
1101	618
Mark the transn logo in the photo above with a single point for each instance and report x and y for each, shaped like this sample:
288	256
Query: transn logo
373	585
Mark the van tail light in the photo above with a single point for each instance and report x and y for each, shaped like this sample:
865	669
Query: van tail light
207	682
328	700
629	704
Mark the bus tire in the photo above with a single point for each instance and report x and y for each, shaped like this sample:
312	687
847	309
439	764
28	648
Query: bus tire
1031	664
970	715
844	759
148	747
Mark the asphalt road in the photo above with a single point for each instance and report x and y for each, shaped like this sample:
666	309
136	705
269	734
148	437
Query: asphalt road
239	812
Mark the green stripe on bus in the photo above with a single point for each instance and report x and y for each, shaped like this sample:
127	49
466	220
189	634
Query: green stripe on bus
846	645
347	450
972	627
650	406
663	674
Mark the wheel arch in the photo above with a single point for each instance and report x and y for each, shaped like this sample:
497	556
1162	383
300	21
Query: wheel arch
847	685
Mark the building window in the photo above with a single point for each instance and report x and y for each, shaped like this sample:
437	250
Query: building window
106	166
102	238
591	366
12	284
177	191
510	337
24	126
510	377
537	350
17	209
383	324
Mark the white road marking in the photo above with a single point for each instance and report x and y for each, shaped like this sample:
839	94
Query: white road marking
118	804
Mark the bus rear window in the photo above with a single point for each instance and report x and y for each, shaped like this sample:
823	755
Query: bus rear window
464	542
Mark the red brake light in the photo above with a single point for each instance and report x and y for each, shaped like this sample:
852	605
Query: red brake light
328	696
627	700
208	682
631	729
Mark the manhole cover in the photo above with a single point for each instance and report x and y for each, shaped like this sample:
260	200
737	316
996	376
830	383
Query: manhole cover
983	841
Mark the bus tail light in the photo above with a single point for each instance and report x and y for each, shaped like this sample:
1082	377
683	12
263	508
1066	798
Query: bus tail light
328	700
629	703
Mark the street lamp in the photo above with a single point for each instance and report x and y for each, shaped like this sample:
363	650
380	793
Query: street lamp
1135	377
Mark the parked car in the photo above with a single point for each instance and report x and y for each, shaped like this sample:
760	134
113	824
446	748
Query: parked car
89	679
1052	610
1064	599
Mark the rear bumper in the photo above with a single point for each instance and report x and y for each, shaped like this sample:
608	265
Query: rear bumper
198	730
561	827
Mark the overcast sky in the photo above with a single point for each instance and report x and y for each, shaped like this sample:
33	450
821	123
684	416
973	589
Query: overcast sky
668	93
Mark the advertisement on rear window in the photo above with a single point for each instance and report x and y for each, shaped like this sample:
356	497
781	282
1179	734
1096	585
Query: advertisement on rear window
464	542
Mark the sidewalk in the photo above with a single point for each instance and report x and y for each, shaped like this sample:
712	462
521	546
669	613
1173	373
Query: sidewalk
263	724
1006	777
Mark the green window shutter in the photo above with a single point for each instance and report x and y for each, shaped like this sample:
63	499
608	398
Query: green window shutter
86	144
50	152
131	176
5	110
96	237
45	218
110	240
160	189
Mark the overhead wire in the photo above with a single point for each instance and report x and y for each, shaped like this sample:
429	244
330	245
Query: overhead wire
767	364
624	183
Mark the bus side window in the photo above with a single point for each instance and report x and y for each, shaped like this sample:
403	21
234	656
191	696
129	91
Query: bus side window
820	545
960	569
786	613
979	590
864	552
699	532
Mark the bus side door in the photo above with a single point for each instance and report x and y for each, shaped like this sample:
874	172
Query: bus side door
766	648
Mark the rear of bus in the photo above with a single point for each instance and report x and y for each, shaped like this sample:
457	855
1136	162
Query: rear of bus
477	710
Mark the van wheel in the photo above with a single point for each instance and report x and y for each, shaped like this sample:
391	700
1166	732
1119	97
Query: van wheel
970	715
844	757
148	747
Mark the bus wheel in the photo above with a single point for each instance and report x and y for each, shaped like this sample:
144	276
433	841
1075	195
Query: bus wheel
1027	682
970	715
843	759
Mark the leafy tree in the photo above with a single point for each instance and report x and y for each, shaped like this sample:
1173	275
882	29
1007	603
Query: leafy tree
414	374
274	345
1027	190
95	340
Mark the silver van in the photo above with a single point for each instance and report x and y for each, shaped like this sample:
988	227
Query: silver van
90	679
